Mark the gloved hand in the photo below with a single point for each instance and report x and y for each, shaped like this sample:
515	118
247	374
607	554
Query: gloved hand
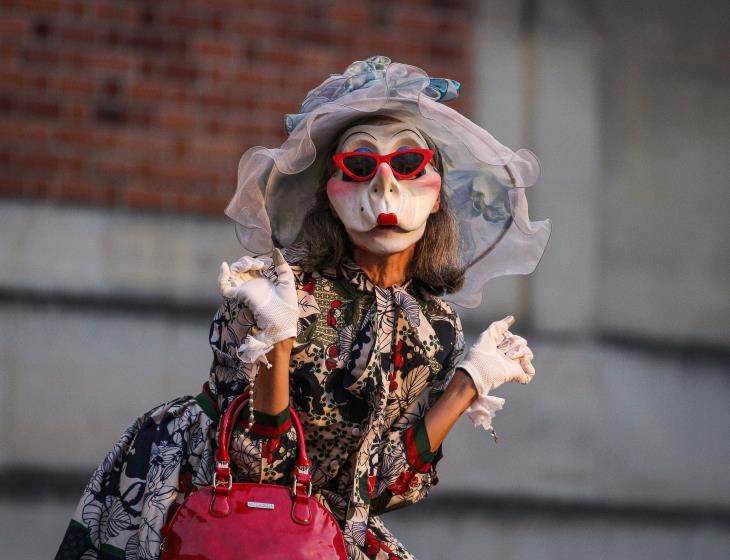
274	304
497	357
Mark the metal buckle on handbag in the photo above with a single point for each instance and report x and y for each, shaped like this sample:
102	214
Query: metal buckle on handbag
216	483
304	471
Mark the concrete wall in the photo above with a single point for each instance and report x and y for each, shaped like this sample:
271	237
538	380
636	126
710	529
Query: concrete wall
665	202
93	365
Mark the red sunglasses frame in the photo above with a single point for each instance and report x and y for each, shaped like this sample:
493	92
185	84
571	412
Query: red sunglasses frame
427	154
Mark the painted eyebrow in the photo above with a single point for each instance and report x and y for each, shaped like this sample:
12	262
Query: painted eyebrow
416	134
357	132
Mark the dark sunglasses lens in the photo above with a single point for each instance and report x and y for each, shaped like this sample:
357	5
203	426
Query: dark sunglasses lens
360	166
405	164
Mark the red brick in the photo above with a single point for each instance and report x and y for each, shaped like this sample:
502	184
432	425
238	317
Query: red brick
114	11
217	99
152	91
151	106
13	26
115	62
11	79
49	7
78	34
78	9
141	142
113	168
36	161
11	186
225	150
224	4
286	56
178	121
184	20
76	84
205	205
77	112
87	138
257	27
41	56
215	48
75	165
7	104
78	61
75	191
9	53
142	198
36	189
18	130
45	109
182	71
349	13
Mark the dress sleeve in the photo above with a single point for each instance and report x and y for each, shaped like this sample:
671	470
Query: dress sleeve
443	378
408	466
264	453
229	375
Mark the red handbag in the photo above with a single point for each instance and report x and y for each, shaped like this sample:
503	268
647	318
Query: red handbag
245	520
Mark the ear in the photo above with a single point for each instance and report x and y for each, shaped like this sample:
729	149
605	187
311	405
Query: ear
436	205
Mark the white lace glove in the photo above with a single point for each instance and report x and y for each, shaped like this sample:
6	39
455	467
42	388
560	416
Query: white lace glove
497	357
274	303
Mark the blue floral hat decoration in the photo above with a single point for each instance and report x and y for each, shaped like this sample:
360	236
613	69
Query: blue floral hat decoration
484	180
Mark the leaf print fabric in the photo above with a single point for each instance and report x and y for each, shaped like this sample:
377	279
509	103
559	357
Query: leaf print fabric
367	364
157	461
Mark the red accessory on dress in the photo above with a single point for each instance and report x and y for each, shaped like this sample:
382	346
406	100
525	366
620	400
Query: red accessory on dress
244	520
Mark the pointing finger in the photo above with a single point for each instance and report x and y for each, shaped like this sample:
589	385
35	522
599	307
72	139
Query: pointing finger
284	272
498	328
277	258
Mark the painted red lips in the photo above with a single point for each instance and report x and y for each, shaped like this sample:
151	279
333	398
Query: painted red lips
387	219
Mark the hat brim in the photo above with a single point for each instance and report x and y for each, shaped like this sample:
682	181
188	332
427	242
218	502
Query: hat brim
485	181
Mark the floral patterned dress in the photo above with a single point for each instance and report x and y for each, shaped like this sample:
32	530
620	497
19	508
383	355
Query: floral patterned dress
367	364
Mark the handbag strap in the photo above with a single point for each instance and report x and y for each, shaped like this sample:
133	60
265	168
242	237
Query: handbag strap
222	478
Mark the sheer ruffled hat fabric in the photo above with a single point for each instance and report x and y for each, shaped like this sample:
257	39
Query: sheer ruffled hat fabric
484	180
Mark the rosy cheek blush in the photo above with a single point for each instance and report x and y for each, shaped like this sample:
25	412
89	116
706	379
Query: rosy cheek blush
337	188
431	181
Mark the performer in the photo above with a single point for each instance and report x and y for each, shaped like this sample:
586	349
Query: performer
384	202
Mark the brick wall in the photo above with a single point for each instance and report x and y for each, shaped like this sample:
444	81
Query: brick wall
149	105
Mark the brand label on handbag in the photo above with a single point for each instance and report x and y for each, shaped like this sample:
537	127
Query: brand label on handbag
260	505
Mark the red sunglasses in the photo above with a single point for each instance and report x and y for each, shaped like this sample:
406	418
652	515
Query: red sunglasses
362	166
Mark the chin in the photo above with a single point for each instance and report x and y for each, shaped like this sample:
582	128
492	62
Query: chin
384	242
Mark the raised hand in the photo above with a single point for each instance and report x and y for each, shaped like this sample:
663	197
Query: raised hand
497	357
515	347
272	302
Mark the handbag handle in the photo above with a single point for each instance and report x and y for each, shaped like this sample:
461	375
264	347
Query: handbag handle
222	478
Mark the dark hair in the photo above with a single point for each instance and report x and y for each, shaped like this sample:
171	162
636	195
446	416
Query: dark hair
436	266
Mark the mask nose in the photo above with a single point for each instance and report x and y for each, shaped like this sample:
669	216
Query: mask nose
384	191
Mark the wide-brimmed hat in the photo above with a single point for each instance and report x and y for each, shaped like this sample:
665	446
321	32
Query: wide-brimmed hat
484	180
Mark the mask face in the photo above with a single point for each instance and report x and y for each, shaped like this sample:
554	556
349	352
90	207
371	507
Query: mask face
384	215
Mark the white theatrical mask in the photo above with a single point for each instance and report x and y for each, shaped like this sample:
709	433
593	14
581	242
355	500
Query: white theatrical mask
384	215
